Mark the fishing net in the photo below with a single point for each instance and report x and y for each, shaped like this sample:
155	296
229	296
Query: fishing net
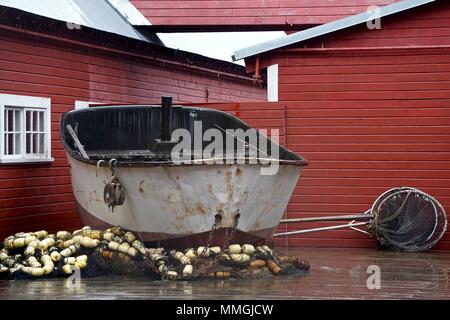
407	219
116	251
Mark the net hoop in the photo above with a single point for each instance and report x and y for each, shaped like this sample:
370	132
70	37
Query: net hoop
435	235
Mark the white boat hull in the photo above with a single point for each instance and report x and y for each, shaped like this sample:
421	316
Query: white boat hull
179	203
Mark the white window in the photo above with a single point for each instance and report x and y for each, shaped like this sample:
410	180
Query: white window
25	129
272	83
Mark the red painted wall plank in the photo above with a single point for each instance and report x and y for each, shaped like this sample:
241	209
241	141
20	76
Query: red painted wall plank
368	120
232	12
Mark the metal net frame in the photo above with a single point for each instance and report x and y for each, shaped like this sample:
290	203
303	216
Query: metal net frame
407	219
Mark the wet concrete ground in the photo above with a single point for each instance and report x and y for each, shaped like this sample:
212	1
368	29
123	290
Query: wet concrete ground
335	274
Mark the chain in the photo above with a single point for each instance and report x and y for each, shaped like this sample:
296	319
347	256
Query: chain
148	260
214	227
233	231
211	235
206	268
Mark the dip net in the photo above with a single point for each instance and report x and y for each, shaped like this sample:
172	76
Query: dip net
404	219
407	219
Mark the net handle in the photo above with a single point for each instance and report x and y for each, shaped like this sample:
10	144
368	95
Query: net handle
350	217
343	226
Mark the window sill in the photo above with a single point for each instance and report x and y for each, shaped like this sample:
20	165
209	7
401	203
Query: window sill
26	161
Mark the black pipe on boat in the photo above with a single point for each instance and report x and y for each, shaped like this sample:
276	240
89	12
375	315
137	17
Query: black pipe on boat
166	118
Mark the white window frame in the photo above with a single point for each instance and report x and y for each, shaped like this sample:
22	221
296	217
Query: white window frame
272	83
25	103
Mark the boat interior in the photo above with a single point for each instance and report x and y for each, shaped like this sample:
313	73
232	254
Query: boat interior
136	133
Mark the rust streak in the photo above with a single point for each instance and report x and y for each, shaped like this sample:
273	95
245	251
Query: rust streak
200	209
141	187
229	185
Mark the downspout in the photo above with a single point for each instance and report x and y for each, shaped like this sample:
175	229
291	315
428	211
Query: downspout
257	75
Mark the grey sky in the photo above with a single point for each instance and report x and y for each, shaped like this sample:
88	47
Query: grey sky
219	45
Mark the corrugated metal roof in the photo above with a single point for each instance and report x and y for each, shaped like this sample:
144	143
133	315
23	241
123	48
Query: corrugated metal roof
97	14
129	12
327	28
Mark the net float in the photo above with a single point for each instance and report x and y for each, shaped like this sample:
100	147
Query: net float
219	274
33	262
117	231
180	257
46	243
113	245
93	234
63	235
68	268
30	250
35	272
190	253
234	248
41	234
240	258
68	243
123	247
171	275
48	264
187	270
273	267
139	246
262	252
129	237
70	250
258	263
215	250
88	242
107	254
55	256
3	268
248	249
203	252
107	235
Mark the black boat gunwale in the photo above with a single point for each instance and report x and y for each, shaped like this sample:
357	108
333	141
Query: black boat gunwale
67	118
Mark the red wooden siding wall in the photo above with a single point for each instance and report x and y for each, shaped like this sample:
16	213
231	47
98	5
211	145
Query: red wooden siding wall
251	12
260	115
40	196
368	119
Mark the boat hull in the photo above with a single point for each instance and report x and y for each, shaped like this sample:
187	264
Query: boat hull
176	205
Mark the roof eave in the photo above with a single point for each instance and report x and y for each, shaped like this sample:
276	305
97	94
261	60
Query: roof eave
55	30
327	28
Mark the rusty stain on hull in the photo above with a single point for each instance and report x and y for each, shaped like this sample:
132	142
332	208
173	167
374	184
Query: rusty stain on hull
141	187
199	208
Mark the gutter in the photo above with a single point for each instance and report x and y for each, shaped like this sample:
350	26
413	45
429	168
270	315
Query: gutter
218	74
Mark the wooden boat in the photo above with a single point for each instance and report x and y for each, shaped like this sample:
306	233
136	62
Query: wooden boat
123	173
